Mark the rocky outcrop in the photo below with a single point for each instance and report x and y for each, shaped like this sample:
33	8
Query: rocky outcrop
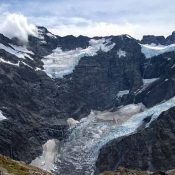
125	171
151	148
158	40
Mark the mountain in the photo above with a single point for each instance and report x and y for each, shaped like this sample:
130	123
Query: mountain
50	79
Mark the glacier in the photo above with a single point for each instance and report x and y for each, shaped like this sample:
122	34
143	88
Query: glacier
80	151
61	63
151	50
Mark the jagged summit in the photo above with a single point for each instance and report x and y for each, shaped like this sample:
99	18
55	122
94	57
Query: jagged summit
159	40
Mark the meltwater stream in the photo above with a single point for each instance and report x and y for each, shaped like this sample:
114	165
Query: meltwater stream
80	151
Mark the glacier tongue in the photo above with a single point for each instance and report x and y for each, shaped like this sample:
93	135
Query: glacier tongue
155	50
80	151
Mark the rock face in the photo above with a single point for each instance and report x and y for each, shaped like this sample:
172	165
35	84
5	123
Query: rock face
159	40
149	39
148	149
96	80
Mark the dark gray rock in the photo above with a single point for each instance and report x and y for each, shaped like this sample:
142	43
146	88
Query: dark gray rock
159	40
152	148
149	39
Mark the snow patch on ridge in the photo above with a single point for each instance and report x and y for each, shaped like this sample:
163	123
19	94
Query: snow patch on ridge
61	63
121	93
146	82
151	50
121	53
18	51
17	64
2	117
42	32
9	62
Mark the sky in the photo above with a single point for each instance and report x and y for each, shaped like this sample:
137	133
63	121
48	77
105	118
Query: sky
91	17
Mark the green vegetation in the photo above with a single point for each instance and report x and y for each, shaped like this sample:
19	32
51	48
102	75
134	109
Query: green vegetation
12	167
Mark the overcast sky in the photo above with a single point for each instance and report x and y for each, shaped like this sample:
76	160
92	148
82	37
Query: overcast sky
97	17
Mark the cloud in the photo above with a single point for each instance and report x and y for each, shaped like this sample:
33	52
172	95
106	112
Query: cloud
77	17
94	29
17	25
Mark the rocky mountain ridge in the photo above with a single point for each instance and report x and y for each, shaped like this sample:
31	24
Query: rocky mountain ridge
108	72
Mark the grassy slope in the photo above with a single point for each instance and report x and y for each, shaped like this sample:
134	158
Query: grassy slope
13	167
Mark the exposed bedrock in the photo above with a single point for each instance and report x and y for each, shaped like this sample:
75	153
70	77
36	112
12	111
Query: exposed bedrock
152	148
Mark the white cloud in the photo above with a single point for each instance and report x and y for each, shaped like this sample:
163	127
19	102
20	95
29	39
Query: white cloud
17	25
94	29
65	17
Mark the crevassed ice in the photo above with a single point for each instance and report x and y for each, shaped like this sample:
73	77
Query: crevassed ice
151	50
2	117
19	51
61	63
79	153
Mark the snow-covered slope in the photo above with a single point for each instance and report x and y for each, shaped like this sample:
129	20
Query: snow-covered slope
2	117
19	51
151	50
61	63
146	82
